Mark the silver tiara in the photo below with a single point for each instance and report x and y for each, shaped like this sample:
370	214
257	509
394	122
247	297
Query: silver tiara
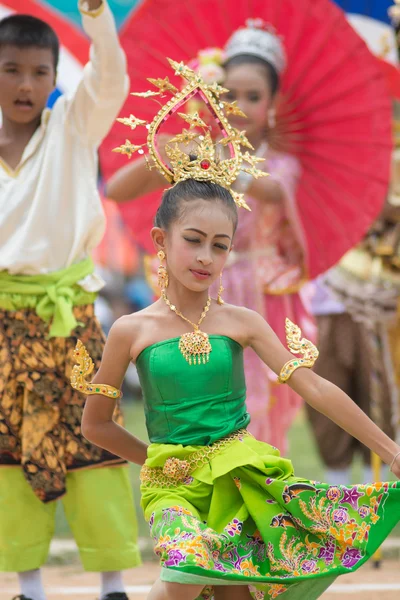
258	39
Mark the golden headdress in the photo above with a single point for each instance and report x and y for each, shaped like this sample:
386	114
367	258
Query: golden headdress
208	164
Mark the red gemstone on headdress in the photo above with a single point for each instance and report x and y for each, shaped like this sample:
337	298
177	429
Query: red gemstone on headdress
205	164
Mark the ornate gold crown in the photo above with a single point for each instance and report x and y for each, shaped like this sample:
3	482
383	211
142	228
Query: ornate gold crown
206	162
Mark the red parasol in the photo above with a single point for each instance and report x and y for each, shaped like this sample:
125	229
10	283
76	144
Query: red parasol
334	112
116	252
392	76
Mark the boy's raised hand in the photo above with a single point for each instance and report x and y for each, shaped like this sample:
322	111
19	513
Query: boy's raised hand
93	4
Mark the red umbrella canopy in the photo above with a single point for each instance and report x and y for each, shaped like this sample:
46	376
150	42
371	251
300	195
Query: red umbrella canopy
334	111
116	252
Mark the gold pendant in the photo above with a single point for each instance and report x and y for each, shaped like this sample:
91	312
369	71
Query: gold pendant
195	347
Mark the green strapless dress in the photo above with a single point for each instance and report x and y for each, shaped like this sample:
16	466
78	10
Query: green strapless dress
239	516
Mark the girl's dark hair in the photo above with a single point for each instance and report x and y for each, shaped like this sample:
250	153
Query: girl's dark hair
25	31
175	199
270	71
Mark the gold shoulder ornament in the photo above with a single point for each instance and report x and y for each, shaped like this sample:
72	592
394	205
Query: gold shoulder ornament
82	369
297	345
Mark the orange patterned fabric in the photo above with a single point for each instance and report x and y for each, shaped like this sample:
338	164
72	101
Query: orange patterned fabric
40	414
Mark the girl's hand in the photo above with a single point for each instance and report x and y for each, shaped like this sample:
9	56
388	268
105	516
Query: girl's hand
162	141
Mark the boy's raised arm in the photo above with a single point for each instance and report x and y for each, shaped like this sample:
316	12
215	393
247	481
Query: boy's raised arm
105	83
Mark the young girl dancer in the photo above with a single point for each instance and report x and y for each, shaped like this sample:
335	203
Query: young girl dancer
267	266
228	517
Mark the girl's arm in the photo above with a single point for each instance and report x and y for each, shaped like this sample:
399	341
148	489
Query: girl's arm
97	423
265	189
320	393
132	181
280	186
135	179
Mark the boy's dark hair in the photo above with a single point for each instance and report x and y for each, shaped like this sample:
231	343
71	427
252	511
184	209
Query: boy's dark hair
249	59
174	200
25	31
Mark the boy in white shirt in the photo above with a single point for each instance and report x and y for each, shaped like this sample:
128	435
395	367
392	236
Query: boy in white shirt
51	218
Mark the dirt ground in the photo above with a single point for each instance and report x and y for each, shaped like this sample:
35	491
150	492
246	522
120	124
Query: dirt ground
71	582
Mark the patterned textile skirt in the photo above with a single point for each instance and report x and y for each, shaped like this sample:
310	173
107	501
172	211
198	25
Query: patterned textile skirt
242	518
40	413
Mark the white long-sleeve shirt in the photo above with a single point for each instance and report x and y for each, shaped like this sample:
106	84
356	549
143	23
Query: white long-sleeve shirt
50	210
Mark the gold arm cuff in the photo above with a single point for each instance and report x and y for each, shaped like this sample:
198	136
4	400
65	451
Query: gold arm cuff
90	389
290	367
84	367
91	13
297	345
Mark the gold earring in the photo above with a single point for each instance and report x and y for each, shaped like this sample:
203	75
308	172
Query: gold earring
271	118
162	272
220	300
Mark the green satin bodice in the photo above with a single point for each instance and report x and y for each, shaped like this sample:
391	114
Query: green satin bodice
193	404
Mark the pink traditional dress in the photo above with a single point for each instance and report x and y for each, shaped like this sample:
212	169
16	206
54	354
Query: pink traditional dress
265	271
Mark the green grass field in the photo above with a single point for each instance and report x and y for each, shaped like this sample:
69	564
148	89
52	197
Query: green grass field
302	452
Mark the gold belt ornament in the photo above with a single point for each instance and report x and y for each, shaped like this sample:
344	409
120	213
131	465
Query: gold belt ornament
175	471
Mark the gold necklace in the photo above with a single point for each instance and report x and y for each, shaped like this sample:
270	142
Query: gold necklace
195	346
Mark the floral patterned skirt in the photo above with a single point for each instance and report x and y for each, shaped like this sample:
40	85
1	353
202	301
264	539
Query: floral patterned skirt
242	518
40	413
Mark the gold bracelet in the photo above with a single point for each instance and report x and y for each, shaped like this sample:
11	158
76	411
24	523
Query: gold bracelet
297	345
84	367
94	12
393	461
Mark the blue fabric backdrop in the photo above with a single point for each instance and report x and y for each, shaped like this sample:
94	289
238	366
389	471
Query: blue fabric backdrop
376	9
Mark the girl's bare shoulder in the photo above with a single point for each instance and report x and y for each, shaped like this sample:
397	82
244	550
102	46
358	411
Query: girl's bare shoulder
132	328
238	322
146	327
237	312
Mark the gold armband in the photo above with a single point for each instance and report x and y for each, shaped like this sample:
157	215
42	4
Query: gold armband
80	371
95	12
297	345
